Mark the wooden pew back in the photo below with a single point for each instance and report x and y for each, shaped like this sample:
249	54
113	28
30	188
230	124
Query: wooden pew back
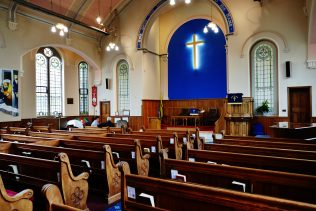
277	152
256	161
282	145
271	183
172	195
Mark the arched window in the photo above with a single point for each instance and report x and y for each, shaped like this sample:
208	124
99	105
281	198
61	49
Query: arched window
123	86
83	88
264	77
48	82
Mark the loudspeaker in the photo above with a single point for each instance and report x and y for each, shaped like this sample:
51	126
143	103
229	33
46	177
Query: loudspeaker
288	69
107	83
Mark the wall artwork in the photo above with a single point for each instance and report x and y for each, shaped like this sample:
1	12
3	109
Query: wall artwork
9	92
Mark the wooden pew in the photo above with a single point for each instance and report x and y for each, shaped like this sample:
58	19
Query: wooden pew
173	195
17	130
100	180
270	139
68	146
168	141
41	128
265	182
21	201
51	135
282	145
293	165
54	200
154	145
106	129
35	172
277	152
185	136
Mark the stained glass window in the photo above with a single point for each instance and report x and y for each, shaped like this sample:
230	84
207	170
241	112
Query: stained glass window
264	74
48	82
83	88
123	86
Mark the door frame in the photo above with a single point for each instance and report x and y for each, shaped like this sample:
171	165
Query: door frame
289	100
105	101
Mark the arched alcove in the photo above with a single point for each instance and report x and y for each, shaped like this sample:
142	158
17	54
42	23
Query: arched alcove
197	62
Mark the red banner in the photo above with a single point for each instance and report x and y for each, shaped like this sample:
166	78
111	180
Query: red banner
94	96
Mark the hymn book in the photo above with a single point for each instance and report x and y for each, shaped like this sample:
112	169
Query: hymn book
147	199
181	177
240	186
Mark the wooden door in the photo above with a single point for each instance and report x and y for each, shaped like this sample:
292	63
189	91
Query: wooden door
104	110
299	105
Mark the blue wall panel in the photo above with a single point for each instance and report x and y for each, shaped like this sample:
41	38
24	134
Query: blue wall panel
209	80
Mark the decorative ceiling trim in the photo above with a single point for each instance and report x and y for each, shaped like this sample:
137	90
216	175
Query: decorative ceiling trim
219	3
52	13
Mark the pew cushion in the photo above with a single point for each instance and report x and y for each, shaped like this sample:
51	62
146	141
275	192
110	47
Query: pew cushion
13	193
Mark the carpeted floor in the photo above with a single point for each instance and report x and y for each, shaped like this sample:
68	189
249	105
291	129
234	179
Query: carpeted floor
115	207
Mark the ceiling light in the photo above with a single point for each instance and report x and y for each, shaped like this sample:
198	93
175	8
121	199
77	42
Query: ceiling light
211	24
61	28
53	29
172	2
187	1
98	19
205	30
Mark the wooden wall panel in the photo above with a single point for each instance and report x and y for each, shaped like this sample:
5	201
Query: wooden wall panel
174	108
268	121
149	109
135	122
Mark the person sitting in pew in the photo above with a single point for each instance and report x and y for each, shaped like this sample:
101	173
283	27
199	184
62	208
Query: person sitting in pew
108	123
95	122
74	123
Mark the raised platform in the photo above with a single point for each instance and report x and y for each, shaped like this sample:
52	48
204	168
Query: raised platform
294	130
184	128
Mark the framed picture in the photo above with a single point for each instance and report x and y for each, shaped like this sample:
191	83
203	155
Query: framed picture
126	112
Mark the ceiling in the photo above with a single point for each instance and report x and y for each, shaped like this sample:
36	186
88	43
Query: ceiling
84	11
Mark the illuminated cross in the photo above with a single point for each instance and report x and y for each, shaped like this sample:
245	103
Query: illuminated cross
194	44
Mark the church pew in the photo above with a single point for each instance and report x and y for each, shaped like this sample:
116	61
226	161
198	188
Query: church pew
174	195
265	182
17	130
152	147
277	152
76	132
77	154
183	135
169	141
51	135
41	128
282	145
292	165
106	129
20	201
270	139
54	200
100	179
124	147
35	172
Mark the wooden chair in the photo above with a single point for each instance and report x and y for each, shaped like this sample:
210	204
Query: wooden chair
21	201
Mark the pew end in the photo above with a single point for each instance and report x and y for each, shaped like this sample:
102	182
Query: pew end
113	177
54	199
142	161
20	201
74	188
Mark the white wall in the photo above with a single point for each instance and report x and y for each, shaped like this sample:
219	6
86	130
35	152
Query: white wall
282	21
17	51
